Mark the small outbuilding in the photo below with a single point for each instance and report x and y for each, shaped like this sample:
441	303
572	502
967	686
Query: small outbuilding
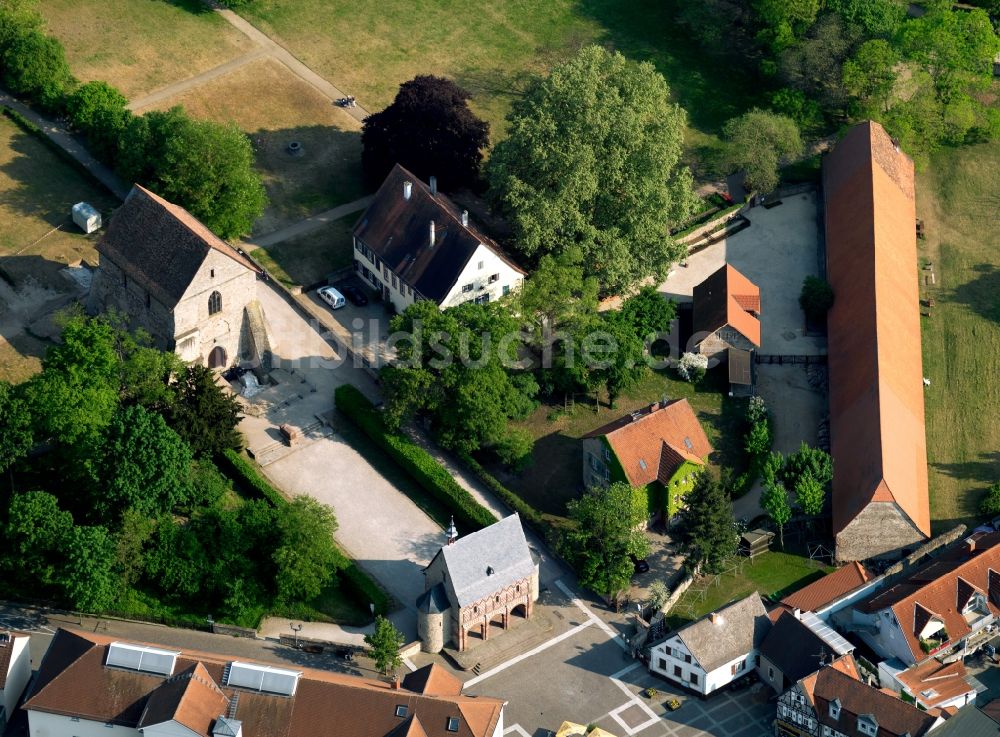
86	217
755	542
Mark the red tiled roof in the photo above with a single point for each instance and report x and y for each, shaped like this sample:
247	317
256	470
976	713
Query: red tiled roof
726	298
6	651
895	717
432	680
948	681
829	588
190	698
74	681
652	446
933	591
876	389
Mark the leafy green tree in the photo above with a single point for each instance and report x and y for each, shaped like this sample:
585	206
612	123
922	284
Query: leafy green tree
130	543
649	313
454	371
705	534
955	47
878	18
784	21
757	442
795	104
814	64
307	557
619	364
15	419
101	112
990	505
758	141
558	297
204	415
206	167
383	645
870	75
177	559
88	578
816	297
807	461
430	130
144	465
774	501
592	158
810	494
18	18
514	448
35	533
604	533
207	485
35	65
658	594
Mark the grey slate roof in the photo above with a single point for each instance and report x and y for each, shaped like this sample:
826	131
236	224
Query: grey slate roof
434	600
161	245
500	548
794	648
969	722
739	628
398	231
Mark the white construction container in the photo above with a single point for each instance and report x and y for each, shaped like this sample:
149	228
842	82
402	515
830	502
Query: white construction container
86	217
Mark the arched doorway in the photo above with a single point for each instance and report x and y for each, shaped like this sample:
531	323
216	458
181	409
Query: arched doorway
520	611
217	358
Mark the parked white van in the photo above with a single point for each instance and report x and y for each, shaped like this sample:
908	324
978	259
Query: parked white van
332	297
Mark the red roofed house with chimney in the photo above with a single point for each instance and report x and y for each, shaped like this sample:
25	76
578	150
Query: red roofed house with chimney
726	313
658	448
880	499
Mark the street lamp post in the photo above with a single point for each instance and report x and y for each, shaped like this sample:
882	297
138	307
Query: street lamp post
296	628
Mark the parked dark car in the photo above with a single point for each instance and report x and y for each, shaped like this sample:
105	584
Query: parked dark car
354	295
640	564
345	653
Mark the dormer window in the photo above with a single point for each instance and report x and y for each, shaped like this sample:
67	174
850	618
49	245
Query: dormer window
835	709
867	725
401	710
452	725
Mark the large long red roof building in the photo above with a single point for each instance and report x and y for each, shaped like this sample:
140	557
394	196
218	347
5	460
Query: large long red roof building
880	500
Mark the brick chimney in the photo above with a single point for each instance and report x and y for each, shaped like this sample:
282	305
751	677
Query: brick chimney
465	218
407	190
395	683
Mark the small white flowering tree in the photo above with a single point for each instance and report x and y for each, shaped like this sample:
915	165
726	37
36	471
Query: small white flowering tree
692	367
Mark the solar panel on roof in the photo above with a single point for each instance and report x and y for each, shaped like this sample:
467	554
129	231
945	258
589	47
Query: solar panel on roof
687	442
642	464
263	678
826	633
141	658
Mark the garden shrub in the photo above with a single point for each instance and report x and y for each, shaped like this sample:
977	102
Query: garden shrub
252	478
692	367
34	65
413	459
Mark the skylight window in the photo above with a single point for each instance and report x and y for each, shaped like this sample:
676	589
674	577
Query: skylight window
688	443
642	464
401	710
141	658
452	724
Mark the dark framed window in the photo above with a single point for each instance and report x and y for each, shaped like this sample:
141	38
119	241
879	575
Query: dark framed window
452	725
214	303
678	672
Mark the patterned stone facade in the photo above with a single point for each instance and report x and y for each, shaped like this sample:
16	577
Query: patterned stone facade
480	616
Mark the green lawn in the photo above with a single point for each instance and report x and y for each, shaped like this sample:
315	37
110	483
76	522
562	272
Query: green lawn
489	47
307	260
555	476
958	198
141	45
774	574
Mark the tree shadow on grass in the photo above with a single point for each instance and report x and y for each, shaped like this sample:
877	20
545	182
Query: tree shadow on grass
195	7
984	470
711	88
553	479
982	293
326	173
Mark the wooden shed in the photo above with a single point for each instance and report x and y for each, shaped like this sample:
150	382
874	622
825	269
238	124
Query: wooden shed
755	542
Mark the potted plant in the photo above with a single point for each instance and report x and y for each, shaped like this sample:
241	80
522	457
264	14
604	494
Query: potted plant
650	693
673	704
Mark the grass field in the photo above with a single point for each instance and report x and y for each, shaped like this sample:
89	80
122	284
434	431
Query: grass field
958	197
274	107
774	573
37	239
141	45
489	47
555	476
307	260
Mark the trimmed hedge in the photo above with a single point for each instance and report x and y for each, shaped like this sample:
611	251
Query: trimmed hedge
252	478
413	459
508	497
356	582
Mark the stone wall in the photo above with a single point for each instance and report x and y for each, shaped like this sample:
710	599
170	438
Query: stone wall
714	346
881	529
238	287
111	290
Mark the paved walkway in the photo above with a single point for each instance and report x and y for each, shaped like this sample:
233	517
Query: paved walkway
165	93
286	57
69	143
308	225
